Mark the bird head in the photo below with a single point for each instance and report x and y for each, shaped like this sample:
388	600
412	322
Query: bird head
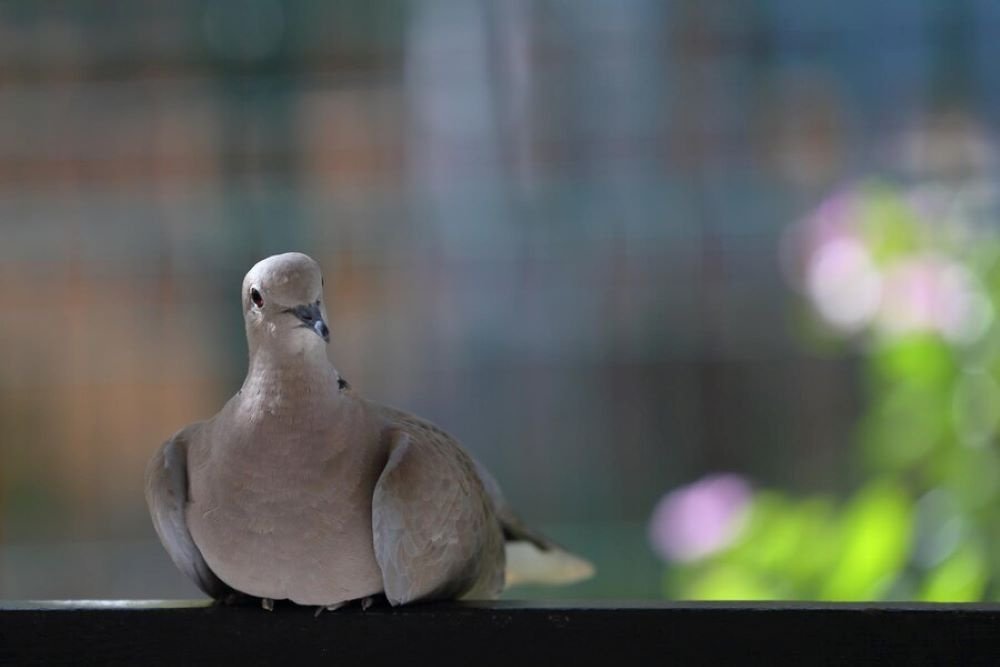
283	304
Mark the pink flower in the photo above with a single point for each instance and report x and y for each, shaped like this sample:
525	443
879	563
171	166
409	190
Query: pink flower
701	518
933	294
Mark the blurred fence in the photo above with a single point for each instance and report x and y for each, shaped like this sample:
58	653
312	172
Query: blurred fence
551	227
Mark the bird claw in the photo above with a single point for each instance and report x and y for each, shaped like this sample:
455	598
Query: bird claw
365	603
267	603
329	607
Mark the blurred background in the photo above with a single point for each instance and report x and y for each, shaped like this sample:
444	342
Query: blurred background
709	286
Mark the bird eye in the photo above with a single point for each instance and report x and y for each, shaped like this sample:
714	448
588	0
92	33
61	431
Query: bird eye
257	299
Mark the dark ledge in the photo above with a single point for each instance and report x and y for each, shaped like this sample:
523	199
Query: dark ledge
512	634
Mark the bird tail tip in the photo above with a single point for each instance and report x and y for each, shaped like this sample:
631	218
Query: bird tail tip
527	564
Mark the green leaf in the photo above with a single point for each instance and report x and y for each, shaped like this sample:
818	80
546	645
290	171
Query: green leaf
961	578
875	533
905	423
792	540
888	224
976	407
730	582
973	476
917	359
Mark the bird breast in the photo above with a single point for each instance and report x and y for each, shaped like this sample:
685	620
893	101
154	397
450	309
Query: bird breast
281	507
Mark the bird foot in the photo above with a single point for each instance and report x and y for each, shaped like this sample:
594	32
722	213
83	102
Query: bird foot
365	603
267	603
231	599
329	607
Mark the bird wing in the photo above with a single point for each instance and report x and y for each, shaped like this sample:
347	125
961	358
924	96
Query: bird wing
435	532
167	497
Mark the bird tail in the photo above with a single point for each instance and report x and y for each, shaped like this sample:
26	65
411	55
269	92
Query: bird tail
528	563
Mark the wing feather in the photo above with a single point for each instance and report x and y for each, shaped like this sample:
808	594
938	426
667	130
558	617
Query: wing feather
435	532
167	497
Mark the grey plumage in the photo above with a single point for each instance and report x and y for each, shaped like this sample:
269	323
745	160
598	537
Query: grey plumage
299	488
166	492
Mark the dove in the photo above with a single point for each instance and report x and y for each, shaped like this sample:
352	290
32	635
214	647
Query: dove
300	488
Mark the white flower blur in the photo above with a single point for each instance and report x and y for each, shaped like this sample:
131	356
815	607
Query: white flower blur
844	284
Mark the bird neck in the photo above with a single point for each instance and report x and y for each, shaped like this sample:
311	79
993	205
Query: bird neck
299	377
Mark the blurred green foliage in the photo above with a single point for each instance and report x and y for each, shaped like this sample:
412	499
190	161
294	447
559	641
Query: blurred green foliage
924	519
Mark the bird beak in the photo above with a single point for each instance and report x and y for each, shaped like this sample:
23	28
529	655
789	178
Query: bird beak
311	318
